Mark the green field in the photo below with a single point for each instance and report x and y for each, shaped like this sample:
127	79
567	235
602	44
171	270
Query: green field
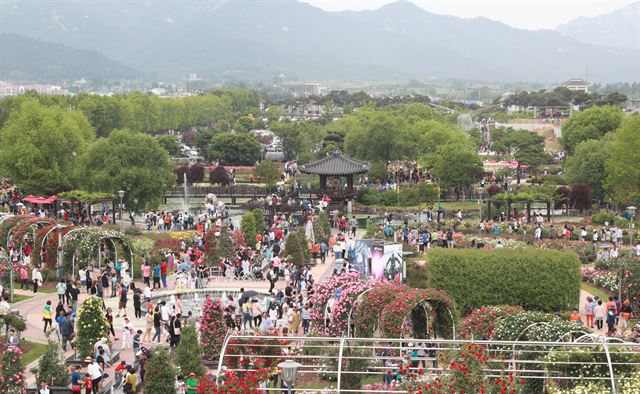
34	352
19	297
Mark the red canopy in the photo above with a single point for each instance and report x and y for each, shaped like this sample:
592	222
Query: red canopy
40	200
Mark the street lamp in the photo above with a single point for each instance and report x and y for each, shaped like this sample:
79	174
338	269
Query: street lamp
121	195
480	192
289	371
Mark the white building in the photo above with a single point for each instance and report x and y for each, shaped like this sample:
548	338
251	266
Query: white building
306	89
8	89
577	85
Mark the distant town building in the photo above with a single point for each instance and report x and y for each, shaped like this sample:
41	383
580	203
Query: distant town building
577	85
305	89
8	89
193	77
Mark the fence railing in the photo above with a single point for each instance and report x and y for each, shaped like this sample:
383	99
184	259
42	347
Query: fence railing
343	365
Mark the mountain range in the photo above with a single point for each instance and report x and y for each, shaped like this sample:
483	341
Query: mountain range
28	59
618	29
244	39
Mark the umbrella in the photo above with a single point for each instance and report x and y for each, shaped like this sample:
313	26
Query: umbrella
250	294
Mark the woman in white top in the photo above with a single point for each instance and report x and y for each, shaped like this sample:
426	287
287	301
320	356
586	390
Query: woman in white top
36	277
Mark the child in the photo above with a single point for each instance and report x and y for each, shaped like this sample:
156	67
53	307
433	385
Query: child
88	384
575	316
136	341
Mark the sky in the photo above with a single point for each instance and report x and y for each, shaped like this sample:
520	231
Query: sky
525	14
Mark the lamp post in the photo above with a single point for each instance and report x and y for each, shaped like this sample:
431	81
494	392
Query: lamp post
480	192
121	195
289	371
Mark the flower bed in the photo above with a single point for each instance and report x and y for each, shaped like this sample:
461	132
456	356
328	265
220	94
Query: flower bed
607	280
481	322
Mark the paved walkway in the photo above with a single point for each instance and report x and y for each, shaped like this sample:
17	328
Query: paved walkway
32	308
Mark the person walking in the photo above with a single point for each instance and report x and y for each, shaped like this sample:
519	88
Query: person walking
599	312
156	275
24	277
148	317
137	304
109	318
122	304
61	288
625	314
157	321
47	315
589	311
127	333
36	278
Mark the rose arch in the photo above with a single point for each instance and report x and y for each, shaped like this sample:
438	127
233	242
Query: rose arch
81	245
413	309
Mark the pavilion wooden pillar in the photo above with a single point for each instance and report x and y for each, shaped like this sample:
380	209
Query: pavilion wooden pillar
350	181
508	210
528	211
488	209
548	211
323	182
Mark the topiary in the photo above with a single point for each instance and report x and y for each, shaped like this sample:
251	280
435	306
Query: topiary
212	327
91	325
51	367
188	352
160	374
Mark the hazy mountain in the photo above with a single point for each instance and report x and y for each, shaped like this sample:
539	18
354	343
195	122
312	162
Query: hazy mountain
30	60
620	29
245	39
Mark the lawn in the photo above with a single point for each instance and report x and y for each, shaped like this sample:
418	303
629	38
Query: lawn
48	287
33	351
19	297
594	290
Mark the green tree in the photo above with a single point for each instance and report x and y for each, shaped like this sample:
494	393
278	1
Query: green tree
160	373
380	136
248	227
525	147
623	171
591	124
90	325
51	367
296	248
297	137
267	171
128	161
188	352
244	123
39	145
455	166
104	113
258	214
234	149
170	144
588	163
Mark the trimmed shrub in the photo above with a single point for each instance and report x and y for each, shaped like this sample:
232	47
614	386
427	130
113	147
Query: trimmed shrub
536	279
603	216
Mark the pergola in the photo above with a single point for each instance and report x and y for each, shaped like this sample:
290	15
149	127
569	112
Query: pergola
336	166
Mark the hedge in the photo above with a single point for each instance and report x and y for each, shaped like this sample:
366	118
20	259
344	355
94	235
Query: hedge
536	279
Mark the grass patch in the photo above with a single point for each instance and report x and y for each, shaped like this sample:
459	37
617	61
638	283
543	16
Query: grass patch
596	291
20	297
33	351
